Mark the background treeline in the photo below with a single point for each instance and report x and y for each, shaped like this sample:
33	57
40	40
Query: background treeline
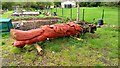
96	4
37	5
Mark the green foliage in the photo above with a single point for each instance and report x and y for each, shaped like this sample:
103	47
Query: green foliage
110	4
72	58
56	48
16	50
53	46
96	4
5	35
57	4
7	14
113	54
25	5
76	42
3	43
8	5
62	21
33	5
99	65
5	55
29	55
40	58
32	17
12	64
59	21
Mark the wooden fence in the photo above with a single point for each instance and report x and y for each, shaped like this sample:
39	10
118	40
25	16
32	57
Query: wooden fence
61	12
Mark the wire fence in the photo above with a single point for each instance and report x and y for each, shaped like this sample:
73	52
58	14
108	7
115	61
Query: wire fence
86	14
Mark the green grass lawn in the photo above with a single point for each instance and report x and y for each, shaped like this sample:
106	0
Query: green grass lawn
110	14
7	14
98	49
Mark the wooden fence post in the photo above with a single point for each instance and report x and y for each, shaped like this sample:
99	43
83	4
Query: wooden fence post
78	12
83	14
71	13
56	9
103	14
62	12
47	9
51	11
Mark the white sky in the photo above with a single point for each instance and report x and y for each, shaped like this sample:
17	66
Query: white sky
59	0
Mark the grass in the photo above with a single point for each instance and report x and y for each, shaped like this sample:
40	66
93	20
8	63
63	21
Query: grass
7	14
98	49
90	13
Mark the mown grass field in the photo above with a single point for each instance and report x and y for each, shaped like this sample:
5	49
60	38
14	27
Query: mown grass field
7	14
98	49
110	14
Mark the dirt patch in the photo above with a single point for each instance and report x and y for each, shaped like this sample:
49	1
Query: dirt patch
36	23
29	19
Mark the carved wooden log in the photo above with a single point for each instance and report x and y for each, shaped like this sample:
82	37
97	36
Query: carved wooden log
44	32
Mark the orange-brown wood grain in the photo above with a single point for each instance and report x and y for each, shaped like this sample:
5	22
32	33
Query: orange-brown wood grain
44	32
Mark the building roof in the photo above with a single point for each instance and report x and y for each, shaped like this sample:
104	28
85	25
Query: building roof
4	19
68	2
